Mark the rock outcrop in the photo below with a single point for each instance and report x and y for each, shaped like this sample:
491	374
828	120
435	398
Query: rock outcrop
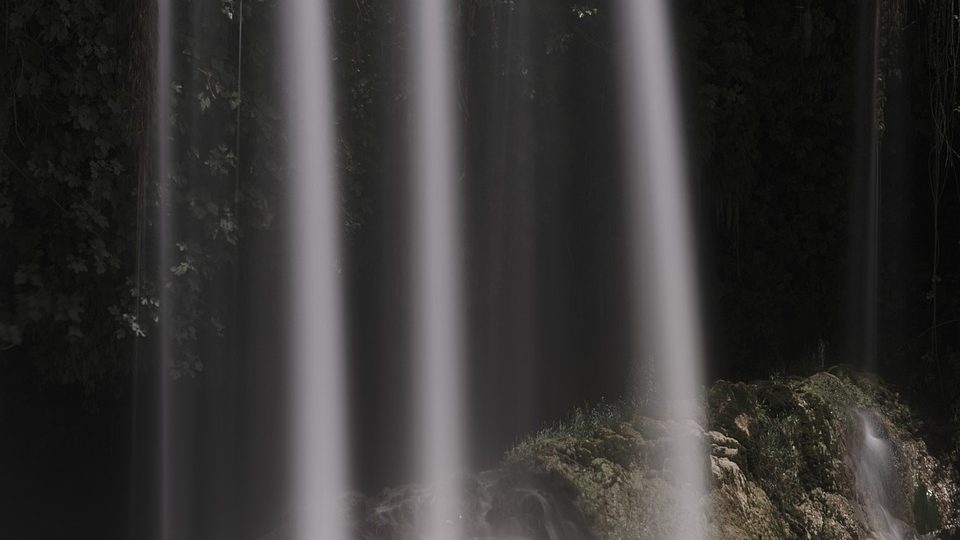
786	461
782	464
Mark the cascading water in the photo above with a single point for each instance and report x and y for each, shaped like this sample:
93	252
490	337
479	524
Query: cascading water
319	462
877	482
374	387
438	342
665	284
872	460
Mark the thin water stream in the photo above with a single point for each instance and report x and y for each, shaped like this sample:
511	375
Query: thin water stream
874	462
877	481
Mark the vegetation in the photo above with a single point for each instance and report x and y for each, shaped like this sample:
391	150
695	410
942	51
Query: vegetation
771	103
779	461
69	176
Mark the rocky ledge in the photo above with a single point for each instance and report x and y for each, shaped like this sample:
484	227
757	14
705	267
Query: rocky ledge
786	460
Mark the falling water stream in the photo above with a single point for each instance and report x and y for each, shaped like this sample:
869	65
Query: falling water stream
663	287
872	457
665	303
665	284
864	246
877	481
319	463
437	309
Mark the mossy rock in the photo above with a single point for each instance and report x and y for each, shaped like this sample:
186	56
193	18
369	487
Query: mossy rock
779	461
780	454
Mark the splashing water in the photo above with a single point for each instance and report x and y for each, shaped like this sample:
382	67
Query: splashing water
876	481
664	270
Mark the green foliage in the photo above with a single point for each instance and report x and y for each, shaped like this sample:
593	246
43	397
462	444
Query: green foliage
227	142
770	99
584	423
600	451
78	200
70	117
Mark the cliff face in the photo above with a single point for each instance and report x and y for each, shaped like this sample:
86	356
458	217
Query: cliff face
834	456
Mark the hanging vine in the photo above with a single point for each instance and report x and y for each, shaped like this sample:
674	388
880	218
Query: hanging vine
942	52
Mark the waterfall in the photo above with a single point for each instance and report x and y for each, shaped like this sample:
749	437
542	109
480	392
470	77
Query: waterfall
664	280
664	272
437	339
864	247
319	462
874	465
877	482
